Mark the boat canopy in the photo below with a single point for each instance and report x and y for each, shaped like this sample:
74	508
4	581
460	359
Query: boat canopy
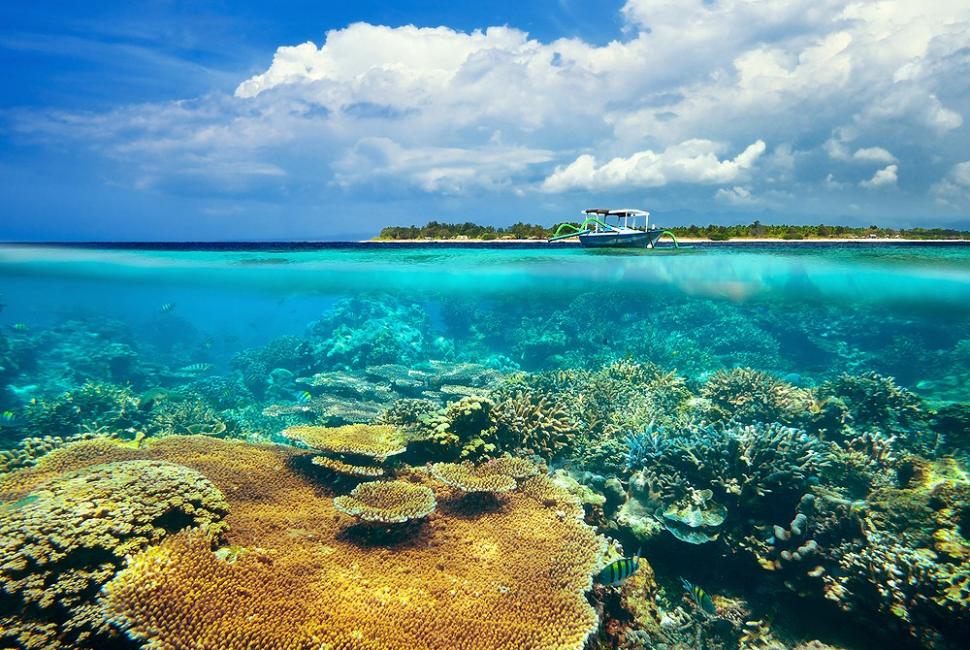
625	212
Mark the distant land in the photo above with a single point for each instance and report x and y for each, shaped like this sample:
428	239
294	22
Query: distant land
438	231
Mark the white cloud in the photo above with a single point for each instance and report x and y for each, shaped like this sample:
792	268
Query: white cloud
694	161
882	178
434	169
736	195
874	154
440	111
954	189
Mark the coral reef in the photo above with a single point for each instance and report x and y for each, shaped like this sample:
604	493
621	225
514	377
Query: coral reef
292	579
68	536
375	441
747	396
387	502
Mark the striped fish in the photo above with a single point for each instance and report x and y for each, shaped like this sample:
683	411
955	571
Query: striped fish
617	571
167	307
700	597
303	397
197	367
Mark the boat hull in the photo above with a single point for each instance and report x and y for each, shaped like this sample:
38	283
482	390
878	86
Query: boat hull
637	239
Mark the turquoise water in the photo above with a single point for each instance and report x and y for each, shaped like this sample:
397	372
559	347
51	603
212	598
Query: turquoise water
615	365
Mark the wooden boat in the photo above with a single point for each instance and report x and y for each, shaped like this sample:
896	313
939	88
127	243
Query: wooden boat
606	228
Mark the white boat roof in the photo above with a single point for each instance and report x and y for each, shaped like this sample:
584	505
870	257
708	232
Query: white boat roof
623	212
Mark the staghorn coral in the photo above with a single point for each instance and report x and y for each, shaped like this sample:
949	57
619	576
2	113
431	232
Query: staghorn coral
874	402
387	502
292	579
185	416
746	395
61	542
92	407
377	441
535	423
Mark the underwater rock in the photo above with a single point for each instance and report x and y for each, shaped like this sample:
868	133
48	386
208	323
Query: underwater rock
69	535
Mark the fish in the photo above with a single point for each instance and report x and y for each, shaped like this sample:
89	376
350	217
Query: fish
303	397
196	367
8	417
700	597
167	307
616	572
19	327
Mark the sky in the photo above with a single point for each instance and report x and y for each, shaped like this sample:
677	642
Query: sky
185	121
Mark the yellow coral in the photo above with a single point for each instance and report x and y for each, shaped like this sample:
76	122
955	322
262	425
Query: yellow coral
372	440
469	478
387	502
506	579
66	538
341	467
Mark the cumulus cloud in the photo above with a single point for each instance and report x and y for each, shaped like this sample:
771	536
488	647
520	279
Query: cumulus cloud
882	178
954	189
445	112
736	195
448	170
694	161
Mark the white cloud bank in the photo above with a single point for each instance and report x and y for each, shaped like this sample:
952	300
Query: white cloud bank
694	161
827	83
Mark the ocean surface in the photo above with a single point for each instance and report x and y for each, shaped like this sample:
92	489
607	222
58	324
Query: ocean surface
784	426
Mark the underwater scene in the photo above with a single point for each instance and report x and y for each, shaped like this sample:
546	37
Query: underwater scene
370	447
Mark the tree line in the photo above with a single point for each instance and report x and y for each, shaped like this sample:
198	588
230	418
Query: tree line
468	230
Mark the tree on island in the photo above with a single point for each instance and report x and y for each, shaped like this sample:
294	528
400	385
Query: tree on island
444	231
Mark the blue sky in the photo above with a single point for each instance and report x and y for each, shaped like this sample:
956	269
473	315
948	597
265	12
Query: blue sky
293	120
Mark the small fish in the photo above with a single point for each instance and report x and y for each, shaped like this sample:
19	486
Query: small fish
700	597
20	327
196	368
616	572
208	343
303	397
8	417
167	307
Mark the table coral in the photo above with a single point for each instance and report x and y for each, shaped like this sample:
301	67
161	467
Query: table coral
387	502
470	478
69	535
376	441
297	582
340	467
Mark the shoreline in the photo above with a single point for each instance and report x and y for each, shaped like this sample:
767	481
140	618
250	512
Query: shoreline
685	240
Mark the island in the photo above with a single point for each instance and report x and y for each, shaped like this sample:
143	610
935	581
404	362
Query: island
755	231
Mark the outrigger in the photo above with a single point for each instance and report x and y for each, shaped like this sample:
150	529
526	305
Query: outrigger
596	231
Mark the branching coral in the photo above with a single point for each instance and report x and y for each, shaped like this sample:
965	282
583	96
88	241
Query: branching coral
875	402
93	406
745	395
533	422
68	536
387	502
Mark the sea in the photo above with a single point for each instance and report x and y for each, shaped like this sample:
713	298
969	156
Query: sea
784	426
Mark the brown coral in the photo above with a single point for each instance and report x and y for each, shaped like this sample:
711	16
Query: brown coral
372	440
340	467
469	478
68	536
507	579
387	502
